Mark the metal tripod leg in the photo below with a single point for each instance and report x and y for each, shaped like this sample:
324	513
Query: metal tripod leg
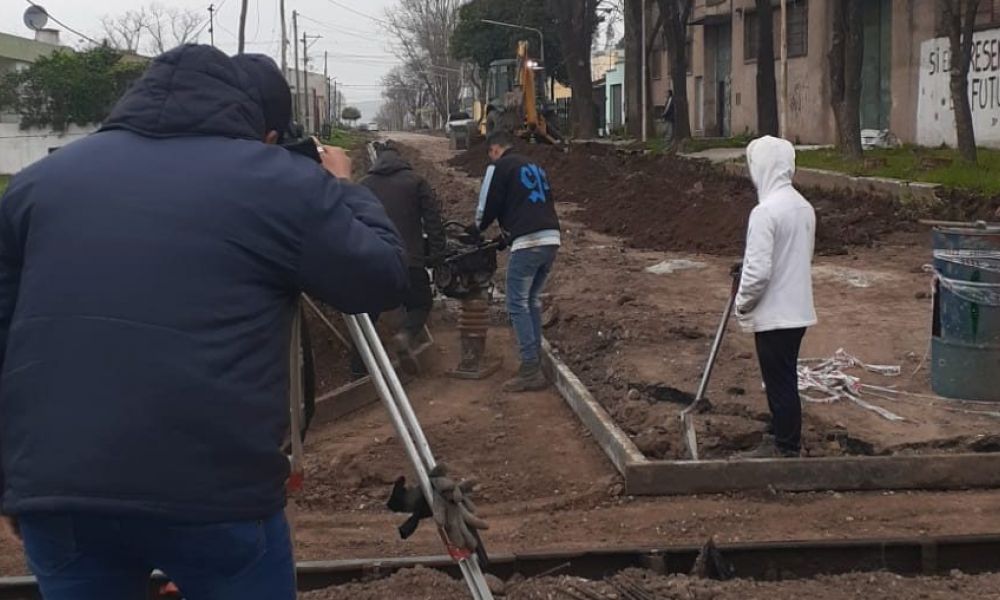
404	420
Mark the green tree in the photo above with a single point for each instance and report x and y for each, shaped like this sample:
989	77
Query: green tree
482	43
350	113
67	88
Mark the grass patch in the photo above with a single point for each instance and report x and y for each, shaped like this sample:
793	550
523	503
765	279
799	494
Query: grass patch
914	163
4	180
345	138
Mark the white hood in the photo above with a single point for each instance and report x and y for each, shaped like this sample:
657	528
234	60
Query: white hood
771	162
776	288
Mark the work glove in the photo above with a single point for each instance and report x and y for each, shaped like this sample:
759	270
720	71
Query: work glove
502	241
453	510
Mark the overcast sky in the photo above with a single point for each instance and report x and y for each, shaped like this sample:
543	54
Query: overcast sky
357	43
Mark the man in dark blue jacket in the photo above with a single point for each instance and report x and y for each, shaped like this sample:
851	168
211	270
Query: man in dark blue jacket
149	276
516	192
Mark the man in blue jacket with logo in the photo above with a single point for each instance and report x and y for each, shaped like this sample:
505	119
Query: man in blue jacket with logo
516	192
149	275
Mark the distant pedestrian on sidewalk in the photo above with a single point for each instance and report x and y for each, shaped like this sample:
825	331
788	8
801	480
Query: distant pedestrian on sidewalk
516	192
668	117
775	299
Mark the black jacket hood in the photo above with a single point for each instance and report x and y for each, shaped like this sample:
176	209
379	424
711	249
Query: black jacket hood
389	162
191	90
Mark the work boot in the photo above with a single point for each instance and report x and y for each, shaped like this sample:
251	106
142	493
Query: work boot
405	347
766	449
529	378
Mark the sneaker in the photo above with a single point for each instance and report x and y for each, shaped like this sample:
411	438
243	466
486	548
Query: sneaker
766	449
529	378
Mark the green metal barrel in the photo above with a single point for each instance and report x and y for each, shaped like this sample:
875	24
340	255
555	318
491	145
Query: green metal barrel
965	345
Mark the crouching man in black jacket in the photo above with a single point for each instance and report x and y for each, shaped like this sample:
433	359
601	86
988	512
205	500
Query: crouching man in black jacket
516	193
414	209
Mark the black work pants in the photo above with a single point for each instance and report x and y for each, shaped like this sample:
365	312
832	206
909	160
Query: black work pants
778	352
417	304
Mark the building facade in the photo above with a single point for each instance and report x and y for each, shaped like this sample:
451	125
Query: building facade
310	93
902	40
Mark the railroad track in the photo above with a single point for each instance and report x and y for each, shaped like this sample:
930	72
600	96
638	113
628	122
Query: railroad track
770	560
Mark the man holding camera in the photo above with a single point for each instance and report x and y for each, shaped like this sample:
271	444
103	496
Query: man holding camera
149	275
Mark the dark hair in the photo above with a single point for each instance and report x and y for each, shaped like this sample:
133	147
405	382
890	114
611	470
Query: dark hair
500	137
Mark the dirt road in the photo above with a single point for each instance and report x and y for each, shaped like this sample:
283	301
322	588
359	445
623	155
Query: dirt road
545	485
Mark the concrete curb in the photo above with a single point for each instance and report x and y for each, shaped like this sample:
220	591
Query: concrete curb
904	191
683	477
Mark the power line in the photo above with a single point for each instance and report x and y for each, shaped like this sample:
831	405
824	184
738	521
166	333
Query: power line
336	29
65	26
208	20
359	13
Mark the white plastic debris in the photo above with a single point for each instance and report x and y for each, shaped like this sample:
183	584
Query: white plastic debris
826	376
667	267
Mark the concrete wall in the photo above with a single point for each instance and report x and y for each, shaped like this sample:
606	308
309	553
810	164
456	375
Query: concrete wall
18	148
935	116
810	118
614	76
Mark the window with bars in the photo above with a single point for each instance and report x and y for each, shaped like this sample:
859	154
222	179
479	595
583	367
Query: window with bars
798	31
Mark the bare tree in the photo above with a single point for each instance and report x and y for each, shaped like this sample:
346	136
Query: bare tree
402	87
676	14
633	68
767	87
171	27
125	31
153	28
960	22
422	29
576	23
846	57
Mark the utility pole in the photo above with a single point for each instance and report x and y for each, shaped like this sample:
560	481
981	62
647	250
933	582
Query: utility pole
243	27
336	104
326	78
783	126
211	23
298	88
645	77
305	73
305	77
284	42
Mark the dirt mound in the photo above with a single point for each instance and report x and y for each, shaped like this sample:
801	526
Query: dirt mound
413	584
421	583
672	203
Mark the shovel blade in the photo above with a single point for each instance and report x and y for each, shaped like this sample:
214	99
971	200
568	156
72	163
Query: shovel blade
690	437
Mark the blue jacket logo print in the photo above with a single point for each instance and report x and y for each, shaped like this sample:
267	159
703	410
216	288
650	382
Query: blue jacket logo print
533	179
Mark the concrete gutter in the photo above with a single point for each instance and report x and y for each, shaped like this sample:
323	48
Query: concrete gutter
904	191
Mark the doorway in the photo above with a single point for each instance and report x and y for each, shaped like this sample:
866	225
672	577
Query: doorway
876	95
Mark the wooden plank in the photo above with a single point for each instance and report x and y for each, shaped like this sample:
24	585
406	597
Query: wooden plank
355	395
932	471
618	447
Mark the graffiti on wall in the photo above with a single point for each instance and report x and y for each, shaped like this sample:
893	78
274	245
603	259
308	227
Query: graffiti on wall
935	116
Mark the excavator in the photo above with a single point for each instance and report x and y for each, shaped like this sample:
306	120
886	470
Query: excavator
514	102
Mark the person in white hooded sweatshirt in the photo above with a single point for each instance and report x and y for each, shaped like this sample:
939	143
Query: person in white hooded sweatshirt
775	299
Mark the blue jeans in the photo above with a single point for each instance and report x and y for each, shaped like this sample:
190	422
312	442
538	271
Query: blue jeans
88	557
527	271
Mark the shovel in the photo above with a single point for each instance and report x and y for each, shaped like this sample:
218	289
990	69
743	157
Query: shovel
690	437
